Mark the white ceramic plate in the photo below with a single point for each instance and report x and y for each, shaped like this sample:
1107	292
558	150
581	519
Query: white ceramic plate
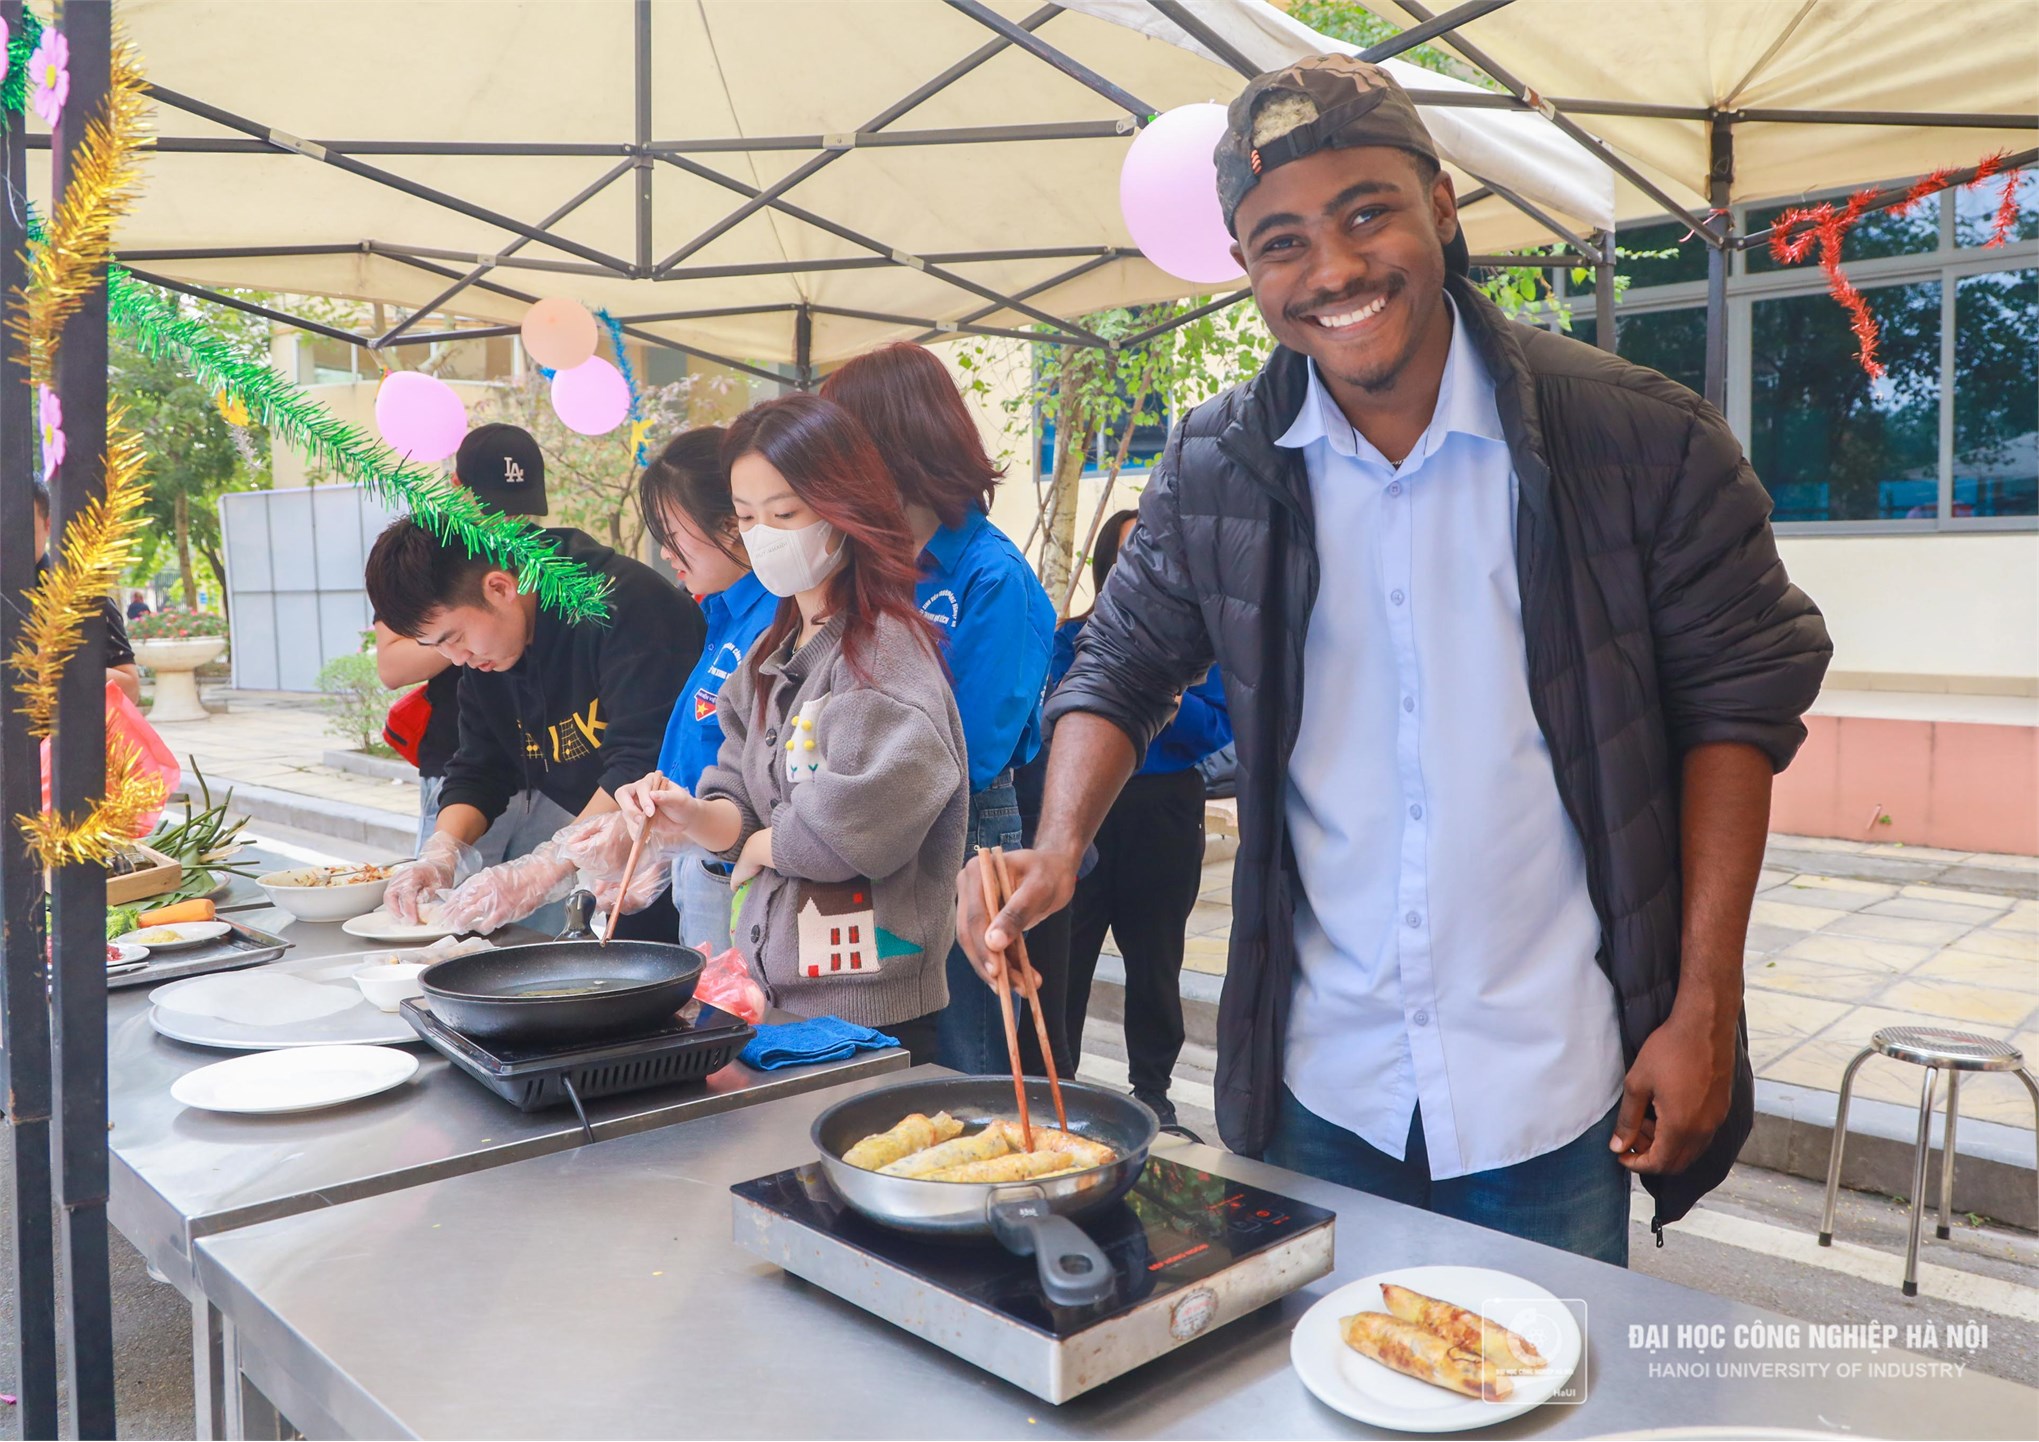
175	936
1363	1389
311	1001
125	953
299	1080
379	925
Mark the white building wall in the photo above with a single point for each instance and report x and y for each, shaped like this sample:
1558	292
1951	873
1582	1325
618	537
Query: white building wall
1943	612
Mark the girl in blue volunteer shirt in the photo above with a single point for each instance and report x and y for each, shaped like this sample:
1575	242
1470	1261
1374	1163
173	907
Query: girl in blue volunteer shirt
684	495
997	625
1150	858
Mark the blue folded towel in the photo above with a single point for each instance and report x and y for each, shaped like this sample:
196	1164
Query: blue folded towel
801	1043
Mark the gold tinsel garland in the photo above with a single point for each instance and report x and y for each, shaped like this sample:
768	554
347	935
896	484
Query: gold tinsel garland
104	179
99	541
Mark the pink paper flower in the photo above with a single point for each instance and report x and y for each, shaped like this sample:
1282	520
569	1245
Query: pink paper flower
49	73
6	63
52	409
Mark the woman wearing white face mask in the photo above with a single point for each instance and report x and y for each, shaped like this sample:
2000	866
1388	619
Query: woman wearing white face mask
840	792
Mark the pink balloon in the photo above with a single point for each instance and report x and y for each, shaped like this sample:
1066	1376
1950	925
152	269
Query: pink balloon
420	416
559	333
592	398
1168	193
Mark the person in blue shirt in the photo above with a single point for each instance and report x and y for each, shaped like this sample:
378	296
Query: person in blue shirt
998	627
1150	858
684	496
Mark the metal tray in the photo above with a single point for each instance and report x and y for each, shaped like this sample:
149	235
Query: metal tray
243	946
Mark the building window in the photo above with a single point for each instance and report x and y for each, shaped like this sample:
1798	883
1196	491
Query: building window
1996	394
1671	341
1831	443
1975	210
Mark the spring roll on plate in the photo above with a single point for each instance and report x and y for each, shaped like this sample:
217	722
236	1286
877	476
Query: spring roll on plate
911	1135
1461	1328
989	1143
1423	1355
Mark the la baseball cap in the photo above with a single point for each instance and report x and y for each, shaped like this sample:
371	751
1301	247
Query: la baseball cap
1322	102
503	466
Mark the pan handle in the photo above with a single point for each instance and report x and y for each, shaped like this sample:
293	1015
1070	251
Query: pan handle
1074	1272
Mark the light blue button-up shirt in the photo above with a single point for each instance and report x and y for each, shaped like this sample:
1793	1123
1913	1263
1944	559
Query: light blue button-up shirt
1446	941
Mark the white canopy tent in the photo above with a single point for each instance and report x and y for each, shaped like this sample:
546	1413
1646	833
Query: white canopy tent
777	181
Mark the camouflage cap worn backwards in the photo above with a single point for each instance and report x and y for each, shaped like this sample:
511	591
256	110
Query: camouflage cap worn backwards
1322	102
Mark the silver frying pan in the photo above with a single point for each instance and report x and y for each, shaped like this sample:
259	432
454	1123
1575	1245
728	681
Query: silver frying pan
1032	1218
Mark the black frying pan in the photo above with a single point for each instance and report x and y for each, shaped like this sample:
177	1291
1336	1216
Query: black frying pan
572	989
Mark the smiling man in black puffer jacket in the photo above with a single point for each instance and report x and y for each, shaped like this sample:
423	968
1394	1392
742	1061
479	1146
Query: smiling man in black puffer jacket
1511	659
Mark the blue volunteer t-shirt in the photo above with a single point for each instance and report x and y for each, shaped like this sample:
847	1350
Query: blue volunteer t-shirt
1202	724
998	628
736	618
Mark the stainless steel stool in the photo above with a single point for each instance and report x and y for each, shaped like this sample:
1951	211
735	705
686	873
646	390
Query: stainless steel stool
1936	1048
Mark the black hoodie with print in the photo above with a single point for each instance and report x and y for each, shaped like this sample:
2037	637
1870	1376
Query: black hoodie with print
585	707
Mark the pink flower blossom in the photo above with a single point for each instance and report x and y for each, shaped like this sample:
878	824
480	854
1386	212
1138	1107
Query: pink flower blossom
52	408
49	73
6	55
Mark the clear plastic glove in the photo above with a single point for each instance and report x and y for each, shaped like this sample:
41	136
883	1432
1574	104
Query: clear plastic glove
443	863
503	894
660	808
647	886
600	847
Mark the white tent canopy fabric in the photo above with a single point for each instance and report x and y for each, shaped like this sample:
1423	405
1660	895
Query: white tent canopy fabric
1751	58
742	94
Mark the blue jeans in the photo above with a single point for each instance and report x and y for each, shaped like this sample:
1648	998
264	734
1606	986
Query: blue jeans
970	1034
1574	1198
702	897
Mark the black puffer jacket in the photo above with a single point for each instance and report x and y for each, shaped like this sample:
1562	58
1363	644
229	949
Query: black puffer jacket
1655	613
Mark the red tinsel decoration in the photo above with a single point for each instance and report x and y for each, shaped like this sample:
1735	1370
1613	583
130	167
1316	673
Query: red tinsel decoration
1824	225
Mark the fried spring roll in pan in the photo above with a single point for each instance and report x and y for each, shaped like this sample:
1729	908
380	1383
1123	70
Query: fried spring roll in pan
1423	1355
1014	1167
909	1136
1464	1329
989	1143
1050	1139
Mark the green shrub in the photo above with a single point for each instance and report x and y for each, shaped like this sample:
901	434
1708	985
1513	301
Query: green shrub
356	701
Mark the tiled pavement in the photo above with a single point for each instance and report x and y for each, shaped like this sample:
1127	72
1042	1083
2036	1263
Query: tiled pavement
1845	938
275	739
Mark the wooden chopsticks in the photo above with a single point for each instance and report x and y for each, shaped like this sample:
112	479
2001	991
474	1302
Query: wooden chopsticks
992	904
629	872
1027	984
995	876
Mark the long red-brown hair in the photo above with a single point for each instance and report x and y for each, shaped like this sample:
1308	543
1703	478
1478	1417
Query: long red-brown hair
832	465
905	397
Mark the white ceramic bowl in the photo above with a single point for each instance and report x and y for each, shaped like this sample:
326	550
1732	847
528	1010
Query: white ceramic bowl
294	892
385	983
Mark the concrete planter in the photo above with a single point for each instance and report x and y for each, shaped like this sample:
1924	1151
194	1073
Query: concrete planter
174	664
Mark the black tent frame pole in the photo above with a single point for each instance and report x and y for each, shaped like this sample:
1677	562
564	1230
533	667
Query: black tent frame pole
1430	29
803	348
759	199
25	1082
1720	179
1603	293
78	774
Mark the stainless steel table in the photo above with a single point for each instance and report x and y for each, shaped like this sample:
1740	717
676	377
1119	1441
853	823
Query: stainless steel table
597	1293
180	1174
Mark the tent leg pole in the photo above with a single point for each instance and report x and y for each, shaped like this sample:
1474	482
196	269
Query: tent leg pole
803	349
78	772
30	1240
1603	294
1719	188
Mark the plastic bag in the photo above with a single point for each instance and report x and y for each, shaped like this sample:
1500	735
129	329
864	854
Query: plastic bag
727	985
125	722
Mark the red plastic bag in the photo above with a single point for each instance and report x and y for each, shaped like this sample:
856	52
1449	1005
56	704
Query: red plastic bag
125	722
727	985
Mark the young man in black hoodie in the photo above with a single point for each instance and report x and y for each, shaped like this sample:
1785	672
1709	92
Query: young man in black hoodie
572	710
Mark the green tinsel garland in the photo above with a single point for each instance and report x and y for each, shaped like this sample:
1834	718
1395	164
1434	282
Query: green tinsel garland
157	329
